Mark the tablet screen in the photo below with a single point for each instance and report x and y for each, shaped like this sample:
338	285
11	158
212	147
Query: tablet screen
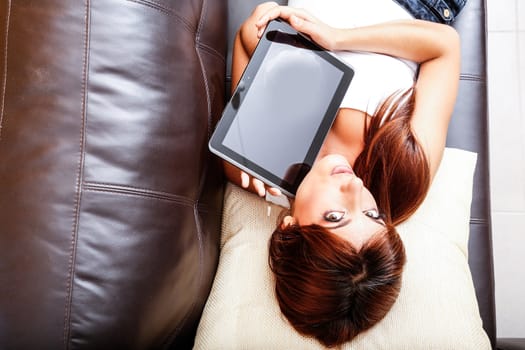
282	109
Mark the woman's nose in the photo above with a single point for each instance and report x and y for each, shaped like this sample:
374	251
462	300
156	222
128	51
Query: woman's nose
352	188
351	184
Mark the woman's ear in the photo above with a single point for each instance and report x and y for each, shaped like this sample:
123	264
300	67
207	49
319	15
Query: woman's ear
287	221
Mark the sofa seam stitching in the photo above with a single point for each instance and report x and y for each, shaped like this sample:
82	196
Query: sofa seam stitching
93	186
211	50
478	221
78	184
471	77
167	11
203	17
4	82
174	333
203	69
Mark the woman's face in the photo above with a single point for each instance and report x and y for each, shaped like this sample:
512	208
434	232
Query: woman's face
332	196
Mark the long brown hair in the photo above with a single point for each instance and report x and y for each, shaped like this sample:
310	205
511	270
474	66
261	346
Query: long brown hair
329	290
393	165
324	286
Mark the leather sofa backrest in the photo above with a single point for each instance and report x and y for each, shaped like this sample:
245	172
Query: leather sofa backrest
469	130
109	199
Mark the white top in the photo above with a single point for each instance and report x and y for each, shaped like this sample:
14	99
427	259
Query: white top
376	76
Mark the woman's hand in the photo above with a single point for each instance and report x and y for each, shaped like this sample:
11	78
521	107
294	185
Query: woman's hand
302	21
250	183
260	188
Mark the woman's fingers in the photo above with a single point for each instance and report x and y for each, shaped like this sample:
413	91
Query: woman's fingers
274	191
303	22
245	180
284	12
259	187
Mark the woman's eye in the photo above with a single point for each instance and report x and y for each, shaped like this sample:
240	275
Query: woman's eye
373	213
334	216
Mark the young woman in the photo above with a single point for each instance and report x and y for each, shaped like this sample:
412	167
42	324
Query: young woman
337	258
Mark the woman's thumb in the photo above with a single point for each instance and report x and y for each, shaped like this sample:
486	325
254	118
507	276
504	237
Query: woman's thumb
302	25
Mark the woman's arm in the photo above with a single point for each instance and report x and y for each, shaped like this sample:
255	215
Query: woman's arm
434	46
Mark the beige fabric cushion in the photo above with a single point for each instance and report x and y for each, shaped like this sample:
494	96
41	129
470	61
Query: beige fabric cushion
436	309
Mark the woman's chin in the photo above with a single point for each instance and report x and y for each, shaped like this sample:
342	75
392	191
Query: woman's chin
333	160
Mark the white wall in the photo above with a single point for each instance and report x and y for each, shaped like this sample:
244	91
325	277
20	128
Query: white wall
506	69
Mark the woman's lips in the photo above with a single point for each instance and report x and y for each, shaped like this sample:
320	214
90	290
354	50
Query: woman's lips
342	169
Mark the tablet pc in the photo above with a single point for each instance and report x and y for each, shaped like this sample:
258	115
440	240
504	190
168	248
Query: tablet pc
282	108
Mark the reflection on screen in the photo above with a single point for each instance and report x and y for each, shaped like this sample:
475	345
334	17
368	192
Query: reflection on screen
277	121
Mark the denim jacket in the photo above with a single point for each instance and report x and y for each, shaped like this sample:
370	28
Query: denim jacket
441	11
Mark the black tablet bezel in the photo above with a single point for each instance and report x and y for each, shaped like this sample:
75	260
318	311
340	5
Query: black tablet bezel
216	145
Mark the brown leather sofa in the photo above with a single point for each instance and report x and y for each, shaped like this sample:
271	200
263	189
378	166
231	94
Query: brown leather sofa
110	202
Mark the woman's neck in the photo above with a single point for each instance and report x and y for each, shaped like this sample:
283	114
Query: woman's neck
346	137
